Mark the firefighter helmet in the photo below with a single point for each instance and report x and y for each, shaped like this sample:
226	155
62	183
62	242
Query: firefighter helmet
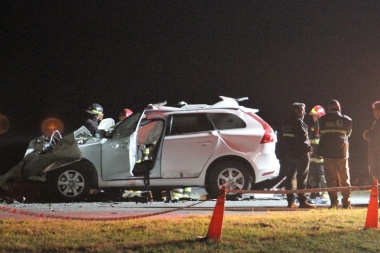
95	109
317	110
126	113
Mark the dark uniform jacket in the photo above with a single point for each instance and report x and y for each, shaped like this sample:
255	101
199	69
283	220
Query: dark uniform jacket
374	149
295	136
335	128
314	140
92	124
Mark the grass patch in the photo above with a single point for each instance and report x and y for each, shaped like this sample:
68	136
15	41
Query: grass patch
296	231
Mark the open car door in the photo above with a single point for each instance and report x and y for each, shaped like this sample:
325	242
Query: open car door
119	150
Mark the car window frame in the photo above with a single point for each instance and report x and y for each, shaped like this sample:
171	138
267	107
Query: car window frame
132	120
169	128
232	114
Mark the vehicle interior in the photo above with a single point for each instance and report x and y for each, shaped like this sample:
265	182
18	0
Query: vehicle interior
150	135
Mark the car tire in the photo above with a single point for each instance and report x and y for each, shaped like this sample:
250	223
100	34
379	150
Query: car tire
70	183
233	175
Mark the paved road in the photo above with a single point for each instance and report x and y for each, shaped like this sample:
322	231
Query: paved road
126	210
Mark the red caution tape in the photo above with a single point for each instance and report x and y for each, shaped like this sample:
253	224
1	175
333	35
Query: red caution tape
331	189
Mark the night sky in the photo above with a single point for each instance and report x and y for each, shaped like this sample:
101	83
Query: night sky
57	57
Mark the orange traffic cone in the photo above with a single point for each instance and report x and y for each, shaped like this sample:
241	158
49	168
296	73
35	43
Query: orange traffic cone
372	220
216	224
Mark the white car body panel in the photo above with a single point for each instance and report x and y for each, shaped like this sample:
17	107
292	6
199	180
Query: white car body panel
116	156
180	159
179	152
184	159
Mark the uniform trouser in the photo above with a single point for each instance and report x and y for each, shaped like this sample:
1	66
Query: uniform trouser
316	178
338	175
297	168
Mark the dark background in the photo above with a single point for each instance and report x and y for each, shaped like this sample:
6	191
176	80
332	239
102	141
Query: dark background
57	57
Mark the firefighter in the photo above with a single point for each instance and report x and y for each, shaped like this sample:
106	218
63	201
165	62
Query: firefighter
297	149
94	114
335	129
316	177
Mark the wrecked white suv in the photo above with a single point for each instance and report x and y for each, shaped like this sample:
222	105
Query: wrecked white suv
164	147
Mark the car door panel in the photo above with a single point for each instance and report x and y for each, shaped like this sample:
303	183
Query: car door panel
116	158
119	152
185	155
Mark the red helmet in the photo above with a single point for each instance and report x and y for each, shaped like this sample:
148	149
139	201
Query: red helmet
317	110
126	112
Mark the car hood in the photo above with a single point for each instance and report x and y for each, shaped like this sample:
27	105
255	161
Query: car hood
44	155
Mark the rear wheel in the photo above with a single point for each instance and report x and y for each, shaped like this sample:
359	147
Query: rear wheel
233	175
70	183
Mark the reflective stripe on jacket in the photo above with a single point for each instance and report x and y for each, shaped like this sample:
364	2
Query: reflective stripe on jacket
316	160
314	141
335	129
296	138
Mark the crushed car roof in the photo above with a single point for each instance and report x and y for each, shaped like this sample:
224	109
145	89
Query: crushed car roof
225	103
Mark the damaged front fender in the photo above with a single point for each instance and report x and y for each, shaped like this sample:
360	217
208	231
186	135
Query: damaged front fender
46	157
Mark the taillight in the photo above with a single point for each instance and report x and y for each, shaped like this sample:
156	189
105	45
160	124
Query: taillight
268	134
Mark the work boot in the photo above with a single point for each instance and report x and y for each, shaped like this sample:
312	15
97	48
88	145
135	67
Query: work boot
346	204
292	205
306	205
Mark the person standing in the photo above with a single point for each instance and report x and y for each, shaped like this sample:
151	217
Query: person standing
94	115
335	129
316	177
297	149
372	136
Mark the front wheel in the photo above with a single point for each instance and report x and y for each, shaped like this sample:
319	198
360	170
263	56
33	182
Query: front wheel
233	175
71	183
